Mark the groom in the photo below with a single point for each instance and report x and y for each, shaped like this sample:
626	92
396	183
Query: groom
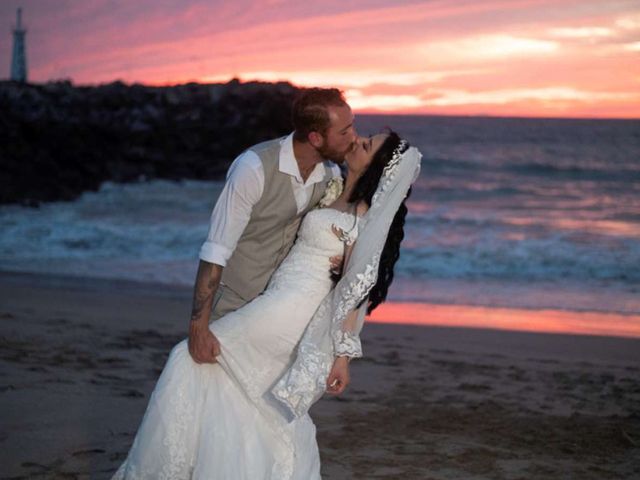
268	190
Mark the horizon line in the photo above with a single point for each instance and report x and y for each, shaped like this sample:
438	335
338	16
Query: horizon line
358	111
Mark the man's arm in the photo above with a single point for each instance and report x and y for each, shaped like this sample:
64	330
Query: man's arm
245	182
206	286
232	211
203	345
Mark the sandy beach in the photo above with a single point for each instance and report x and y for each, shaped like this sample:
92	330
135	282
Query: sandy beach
80	358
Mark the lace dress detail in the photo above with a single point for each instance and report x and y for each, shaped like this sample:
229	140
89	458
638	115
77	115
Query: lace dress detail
221	421
308	264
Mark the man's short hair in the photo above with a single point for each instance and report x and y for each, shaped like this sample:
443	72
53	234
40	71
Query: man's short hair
310	111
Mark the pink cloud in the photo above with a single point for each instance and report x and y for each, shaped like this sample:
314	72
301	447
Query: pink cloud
377	49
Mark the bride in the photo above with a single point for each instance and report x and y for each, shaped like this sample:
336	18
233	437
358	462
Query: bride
246	416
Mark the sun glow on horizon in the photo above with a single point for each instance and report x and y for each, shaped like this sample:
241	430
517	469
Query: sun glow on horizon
543	321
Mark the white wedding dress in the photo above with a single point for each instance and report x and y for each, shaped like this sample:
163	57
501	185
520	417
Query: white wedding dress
220	421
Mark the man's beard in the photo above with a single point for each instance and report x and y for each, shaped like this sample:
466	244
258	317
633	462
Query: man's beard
332	154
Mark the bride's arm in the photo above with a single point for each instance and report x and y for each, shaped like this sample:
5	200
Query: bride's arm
339	376
361	209
348	346
350	326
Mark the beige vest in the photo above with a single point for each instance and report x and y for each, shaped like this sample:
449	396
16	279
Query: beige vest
272	227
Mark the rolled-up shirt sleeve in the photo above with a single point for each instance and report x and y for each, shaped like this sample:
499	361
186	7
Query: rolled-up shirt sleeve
242	190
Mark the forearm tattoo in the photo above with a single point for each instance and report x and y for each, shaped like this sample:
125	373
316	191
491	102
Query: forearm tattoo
203	293
200	302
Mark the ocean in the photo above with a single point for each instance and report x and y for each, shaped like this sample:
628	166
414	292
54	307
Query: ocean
507	212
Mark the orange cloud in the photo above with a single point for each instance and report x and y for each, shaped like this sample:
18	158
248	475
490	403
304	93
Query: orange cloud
513	57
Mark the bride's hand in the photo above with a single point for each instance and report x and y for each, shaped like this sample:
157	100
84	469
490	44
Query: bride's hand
336	264
339	376
203	344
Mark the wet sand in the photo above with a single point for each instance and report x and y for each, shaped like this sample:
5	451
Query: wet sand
80	358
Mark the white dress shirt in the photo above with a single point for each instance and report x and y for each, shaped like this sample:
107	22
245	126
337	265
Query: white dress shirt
243	189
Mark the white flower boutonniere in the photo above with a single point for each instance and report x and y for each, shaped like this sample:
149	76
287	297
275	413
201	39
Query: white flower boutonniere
332	192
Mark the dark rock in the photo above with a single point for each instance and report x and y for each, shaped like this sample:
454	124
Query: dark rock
58	140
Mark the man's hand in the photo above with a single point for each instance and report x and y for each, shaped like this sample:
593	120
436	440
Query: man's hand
204	347
339	376
336	264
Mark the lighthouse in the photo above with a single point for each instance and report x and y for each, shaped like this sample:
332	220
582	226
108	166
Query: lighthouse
19	58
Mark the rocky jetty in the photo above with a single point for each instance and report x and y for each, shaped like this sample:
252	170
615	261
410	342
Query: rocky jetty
58	140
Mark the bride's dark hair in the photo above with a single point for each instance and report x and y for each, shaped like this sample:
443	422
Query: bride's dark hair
364	189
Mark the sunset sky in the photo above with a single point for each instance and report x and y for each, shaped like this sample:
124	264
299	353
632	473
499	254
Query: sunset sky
519	57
